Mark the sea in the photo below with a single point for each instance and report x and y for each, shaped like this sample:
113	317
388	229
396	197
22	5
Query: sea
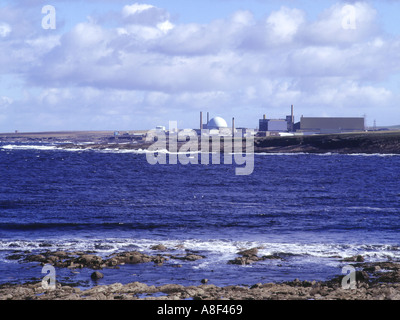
310	210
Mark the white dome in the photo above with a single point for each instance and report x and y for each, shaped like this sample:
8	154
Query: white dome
216	123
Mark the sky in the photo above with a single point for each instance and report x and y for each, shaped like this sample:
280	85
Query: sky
127	65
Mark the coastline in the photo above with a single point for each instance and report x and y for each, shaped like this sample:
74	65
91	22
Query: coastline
373	281
386	142
366	289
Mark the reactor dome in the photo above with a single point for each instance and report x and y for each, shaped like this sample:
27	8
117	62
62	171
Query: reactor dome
217	123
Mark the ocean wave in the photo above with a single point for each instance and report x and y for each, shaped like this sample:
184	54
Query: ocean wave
327	154
374	154
215	250
366	208
281	153
28	147
104	150
54	147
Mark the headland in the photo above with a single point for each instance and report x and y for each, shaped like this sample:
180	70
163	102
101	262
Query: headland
380	142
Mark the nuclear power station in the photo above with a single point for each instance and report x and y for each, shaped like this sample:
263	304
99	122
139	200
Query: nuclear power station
281	127
287	126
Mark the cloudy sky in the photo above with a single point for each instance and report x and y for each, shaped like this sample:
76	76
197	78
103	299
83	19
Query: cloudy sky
120	65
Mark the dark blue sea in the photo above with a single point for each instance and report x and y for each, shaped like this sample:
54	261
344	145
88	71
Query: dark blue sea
311	210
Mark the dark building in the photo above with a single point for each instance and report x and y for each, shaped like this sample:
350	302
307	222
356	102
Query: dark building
263	124
331	125
277	125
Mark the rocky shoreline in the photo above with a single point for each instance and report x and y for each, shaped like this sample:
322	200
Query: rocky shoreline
374	280
386	142
346	143
354	143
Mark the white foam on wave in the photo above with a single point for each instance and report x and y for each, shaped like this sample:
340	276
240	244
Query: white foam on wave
366	208
144	151
281	153
216	250
28	147
105	150
374	154
327	154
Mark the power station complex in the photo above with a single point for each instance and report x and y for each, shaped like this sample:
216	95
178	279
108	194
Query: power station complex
288	126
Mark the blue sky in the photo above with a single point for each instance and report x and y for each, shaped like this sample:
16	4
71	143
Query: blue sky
123	65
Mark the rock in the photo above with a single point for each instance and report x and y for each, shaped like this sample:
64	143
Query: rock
96	275
112	262
14	257
362	276
239	260
36	258
90	261
357	258
52	259
159	247
115	287
45	244
249	252
373	268
87	258
189	257
171	288
193	257
360	258
249	256
204	281
159	260
133	257
391	277
272	257
138	287
61	254
244	260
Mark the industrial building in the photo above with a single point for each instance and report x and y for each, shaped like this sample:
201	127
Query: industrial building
310	125
216	126
330	125
216	123
277	125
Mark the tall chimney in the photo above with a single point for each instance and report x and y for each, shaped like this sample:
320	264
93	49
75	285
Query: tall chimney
233	126
292	114
292	120
265	116
208	117
201	120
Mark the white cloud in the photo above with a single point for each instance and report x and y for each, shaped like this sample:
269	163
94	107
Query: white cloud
135	8
328	29
5	100
284	24
5	29
151	64
165	26
243	18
